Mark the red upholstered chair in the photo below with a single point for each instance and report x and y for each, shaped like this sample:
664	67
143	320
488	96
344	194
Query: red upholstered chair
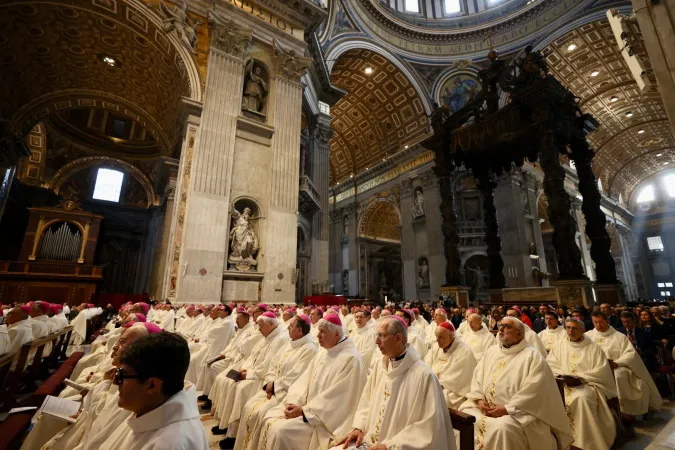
13	429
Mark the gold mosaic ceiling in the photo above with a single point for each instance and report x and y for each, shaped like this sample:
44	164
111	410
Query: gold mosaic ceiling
381	222
51	60
380	114
626	145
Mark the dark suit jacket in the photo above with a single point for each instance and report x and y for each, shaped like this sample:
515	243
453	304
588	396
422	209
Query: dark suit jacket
456	321
539	325
644	343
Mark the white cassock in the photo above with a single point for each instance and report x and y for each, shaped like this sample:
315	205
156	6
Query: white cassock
329	392
461	329
234	395
479	341
454	369
20	333
290	362
520	379
99	350
216	341
175	425
168	321
40	327
431	333
637	392
364	339
417	341
5	344
79	329
239	348
532	338
586	405
551	336
89	378
402	406
314	330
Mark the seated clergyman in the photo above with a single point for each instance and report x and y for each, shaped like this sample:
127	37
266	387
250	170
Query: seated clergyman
553	331
477	336
511	396
588	384
402	405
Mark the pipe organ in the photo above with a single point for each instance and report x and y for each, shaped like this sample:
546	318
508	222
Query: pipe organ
56	262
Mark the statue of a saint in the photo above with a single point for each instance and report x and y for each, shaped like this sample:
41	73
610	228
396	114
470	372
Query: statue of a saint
418	203
255	88
422	273
243	241
479	282
176	18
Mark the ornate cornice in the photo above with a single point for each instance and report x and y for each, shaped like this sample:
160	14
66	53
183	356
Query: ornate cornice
229	37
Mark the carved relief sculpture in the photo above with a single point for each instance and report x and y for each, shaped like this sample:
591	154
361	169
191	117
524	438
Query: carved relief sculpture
418	203
228	37
422	273
289	64
255	89
177	19
243	241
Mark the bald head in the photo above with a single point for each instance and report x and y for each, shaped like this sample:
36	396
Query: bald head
475	322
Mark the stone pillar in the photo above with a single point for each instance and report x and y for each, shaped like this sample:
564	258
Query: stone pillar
282	221
494	244
207	213
161	250
6	179
449	226
335	252
408	242
628	265
350	255
657	26
320	175
586	259
531	186
432	211
564	225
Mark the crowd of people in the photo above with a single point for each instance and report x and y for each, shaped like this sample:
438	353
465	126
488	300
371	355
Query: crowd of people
277	377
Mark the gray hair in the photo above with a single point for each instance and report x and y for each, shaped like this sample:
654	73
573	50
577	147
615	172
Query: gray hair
577	321
394	326
517	322
268	320
331	327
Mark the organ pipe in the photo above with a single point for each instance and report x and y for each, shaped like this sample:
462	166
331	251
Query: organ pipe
61	244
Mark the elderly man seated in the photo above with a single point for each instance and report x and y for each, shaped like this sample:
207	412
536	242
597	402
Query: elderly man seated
530	336
321	404
477	336
637	392
439	316
588	384
418	417
511	396
453	363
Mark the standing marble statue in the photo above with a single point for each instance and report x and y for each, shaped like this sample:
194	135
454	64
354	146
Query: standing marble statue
422	273
176	18
418	203
243	241
255	88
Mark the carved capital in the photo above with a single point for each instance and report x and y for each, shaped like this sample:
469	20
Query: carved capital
229	37
170	189
322	135
429	180
406	188
288	63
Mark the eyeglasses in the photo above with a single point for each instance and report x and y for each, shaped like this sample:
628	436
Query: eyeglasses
120	376
503	325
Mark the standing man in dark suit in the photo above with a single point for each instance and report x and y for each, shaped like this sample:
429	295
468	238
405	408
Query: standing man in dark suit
639	338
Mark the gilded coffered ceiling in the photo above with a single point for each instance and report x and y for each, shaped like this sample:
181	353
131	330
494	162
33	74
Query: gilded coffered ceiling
381	113
382	222
53	59
634	140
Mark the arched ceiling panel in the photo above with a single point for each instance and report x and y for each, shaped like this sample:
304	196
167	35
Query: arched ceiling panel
381	222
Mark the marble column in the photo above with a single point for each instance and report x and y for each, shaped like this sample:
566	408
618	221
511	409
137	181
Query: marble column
335	252
449	224
199	277
408	242
320	175
432	211
350	250
564	225
629	267
282	220
487	185
161	250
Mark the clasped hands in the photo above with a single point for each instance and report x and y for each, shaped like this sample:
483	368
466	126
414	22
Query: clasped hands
291	411
356	436
492	410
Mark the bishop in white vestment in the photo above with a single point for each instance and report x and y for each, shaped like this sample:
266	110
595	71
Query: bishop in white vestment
364	336
477	336
402	404
319	407
588	384
637	392
553	332
514	397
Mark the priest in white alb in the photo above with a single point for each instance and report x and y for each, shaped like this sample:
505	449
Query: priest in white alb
531	337
514	397
290	362
477	336
553	332
402	404
364	336
588	384
637	392
453	363
217	339
319	407
439	316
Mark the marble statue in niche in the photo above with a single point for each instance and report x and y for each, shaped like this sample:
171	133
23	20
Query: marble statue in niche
422	273
177	18
345	282
418	203
243	241
479	278
256	87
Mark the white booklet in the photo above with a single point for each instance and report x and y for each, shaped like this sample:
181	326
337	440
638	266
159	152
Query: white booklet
59	407
74	385
211	360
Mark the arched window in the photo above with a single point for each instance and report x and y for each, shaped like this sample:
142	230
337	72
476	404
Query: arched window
108	185
647	194
670	184
451	6
412	6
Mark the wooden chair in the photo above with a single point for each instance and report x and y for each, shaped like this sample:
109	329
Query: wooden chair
464	424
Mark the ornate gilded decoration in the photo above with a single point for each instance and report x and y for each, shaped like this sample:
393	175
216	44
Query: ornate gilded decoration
381	221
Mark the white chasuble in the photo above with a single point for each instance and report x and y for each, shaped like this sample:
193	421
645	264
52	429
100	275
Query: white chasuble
290	362
402	407
550	336
531	338
329	392
417	341
520	379
637	392
479	341
216	341
454	369
20	333
586	405
364	339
